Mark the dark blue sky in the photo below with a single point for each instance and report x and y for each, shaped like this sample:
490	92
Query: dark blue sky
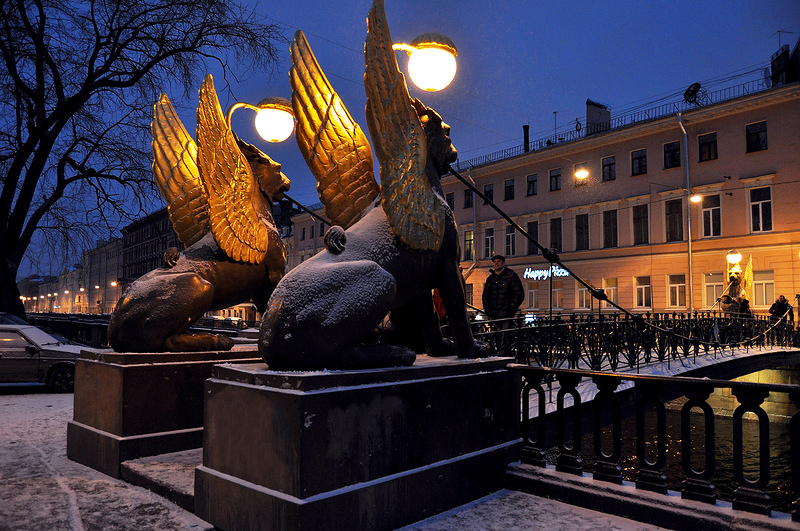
519	61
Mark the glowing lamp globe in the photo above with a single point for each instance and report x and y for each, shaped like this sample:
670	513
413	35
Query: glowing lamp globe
431	62
734	257
275	120
696	198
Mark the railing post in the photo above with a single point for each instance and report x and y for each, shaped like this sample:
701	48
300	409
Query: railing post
750	495
532	448
607	467
569	457
794	452
650	476
697	485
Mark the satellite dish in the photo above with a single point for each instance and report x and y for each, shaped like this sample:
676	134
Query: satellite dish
690	96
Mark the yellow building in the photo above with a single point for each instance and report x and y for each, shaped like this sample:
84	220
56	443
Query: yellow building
626	227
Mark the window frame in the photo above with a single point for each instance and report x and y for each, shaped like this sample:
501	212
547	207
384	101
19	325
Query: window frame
611	291
469	244
676	291
643	293
450	199
469	198
668	217
672	155
711	216
638	162
760	204
609	170
553	224
488	242
532	179
533	231
610	229
639	232
582	232
756	139
717	285
508	190
511	241
706	143
763	288
488	192
555	179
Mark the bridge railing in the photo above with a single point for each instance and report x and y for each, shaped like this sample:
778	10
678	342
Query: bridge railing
609	342
695	442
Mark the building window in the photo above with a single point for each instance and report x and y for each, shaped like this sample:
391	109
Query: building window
761	209
609	228
467	198
642	285
756	137
555	179
533	295
713	286
609	168
707	146
451	200
488	191
557	294
511	241
763	288
508	190
311	235
533	185
641	225
677	290
469	244
610	287
581	232
673	214
555	234
488	243
711	215
468	293
583	299
672	155
533	231
302	234
639	162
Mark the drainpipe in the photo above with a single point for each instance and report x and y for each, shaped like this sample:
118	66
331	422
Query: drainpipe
688	208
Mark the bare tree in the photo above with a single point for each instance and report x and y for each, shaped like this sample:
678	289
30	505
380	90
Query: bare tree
77	84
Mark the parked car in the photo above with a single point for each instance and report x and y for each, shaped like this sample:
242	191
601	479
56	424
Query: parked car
28	354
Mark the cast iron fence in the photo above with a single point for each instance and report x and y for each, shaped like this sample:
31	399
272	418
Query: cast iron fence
648	399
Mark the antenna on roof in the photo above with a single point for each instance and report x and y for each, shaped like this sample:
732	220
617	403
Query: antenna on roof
695	94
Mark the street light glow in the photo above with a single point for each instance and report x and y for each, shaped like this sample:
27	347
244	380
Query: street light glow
275	119
734	257
696	198
432	61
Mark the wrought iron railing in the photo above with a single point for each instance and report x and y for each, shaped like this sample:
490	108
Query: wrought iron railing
648	401
609	342
636	117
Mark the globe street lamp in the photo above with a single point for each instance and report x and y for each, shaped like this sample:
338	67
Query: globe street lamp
274	120
431	61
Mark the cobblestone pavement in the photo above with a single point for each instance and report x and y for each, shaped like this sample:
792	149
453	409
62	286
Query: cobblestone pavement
41	489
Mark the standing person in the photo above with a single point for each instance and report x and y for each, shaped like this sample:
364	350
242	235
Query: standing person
502	293
779	308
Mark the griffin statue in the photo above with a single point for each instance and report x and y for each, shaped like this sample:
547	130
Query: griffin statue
219	195
390	246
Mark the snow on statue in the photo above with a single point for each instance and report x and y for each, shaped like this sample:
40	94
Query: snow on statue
395	251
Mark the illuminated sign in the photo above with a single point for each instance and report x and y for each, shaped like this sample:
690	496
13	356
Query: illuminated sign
544	274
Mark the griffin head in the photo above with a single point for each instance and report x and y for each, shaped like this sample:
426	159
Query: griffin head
440	148
266	171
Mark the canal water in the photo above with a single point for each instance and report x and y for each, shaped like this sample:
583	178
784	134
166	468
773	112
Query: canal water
779	485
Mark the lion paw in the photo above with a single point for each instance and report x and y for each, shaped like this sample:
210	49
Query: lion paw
335	239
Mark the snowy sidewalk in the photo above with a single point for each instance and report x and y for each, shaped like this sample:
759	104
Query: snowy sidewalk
41	489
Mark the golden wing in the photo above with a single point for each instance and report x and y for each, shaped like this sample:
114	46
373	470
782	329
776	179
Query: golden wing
414	211
336	149
229	183
176	173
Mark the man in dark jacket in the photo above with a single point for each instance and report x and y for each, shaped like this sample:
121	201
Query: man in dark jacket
502	293
779	308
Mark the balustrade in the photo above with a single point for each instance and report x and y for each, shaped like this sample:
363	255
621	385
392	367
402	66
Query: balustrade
647	402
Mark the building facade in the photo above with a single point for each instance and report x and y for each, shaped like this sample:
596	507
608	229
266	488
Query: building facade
629	227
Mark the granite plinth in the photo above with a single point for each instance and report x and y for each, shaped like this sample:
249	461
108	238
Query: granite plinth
374	449
130	405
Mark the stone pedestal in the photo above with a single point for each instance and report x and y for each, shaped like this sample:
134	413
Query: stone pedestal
136	405
374	449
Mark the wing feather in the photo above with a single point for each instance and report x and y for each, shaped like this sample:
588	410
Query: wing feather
229	183
176	173
414	211
335	148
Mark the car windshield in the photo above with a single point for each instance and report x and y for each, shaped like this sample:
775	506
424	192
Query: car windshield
39	337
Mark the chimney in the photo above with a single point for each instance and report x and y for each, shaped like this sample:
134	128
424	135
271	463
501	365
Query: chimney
598	118
526	138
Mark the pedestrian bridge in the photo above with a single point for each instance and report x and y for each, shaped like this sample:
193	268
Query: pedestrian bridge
649	405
